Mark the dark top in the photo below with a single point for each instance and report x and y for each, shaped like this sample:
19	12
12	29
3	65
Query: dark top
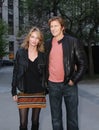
32	77
23	78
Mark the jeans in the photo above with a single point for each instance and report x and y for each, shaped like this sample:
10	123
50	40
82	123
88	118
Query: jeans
70	93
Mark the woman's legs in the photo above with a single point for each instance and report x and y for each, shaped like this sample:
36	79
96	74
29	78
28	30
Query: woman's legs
23	114
35	118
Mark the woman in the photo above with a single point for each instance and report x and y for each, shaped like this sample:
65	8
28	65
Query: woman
28	78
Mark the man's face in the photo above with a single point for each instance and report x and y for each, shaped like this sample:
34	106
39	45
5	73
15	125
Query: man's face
56	28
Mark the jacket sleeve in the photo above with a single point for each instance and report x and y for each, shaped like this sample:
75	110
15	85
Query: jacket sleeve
14	76
81	62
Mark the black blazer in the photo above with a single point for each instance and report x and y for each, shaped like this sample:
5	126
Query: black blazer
20	67
73	54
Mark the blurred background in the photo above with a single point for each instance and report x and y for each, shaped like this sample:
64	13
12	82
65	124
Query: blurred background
18	16
82	21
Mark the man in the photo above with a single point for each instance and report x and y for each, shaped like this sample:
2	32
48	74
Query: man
66	64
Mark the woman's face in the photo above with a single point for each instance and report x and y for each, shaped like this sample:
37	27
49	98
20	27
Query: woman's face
34	39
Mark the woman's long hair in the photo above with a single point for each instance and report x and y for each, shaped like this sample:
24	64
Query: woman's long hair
40	46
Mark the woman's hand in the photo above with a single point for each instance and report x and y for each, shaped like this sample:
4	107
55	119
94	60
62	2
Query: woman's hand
15	98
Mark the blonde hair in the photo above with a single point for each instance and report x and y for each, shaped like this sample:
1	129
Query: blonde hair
40	46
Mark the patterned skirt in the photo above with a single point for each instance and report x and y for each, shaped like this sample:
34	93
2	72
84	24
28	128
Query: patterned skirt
37	100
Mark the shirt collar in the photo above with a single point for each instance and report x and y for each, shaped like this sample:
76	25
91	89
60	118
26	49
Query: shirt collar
61	40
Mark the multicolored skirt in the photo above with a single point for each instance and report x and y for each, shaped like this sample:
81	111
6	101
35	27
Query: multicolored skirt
37	100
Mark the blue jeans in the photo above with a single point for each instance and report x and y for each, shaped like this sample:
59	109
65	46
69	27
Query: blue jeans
70	94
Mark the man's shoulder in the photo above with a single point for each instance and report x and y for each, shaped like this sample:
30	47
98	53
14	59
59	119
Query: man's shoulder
48	40
70	37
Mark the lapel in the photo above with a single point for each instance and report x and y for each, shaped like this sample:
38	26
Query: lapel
65	45
25	57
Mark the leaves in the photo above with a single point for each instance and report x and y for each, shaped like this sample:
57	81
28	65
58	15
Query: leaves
3	39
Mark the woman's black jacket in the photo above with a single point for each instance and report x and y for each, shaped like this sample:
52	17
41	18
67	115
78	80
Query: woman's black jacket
20	67
73	54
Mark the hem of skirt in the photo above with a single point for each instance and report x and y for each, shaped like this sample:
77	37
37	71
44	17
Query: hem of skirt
31	106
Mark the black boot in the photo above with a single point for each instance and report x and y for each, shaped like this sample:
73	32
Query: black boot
22	128
35	127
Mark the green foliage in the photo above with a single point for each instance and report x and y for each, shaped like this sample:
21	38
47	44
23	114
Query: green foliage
3	39
81	16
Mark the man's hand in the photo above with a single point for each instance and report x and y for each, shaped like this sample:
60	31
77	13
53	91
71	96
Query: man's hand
71	83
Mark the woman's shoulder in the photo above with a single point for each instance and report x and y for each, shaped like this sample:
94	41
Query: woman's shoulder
21	50
41	56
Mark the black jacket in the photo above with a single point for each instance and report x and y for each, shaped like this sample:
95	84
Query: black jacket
20	67
73	54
